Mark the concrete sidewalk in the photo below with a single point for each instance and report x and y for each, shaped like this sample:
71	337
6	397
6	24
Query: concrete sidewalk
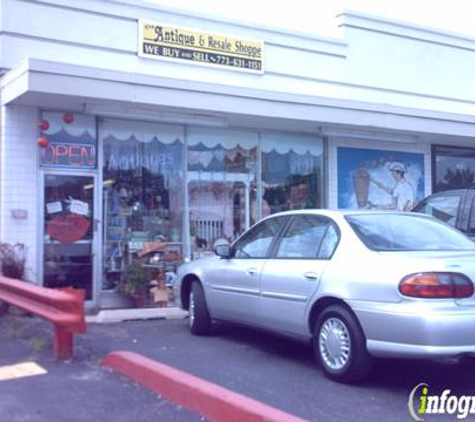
120	315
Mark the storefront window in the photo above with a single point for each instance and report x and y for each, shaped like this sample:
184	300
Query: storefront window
452	168
69	141
291	173
145	204
143	193
221	181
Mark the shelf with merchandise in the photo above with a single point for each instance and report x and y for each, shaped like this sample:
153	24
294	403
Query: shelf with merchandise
161	260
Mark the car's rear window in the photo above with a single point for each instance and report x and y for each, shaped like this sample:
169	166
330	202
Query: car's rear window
391	232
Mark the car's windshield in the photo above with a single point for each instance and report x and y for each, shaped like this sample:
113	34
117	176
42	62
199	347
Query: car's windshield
389	232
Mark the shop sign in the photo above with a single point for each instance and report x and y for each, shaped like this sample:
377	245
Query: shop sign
61	154
185	45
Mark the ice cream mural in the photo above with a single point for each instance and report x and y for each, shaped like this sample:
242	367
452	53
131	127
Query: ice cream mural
379	179
361	180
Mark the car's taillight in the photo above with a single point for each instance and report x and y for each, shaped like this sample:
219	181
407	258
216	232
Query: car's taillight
436	285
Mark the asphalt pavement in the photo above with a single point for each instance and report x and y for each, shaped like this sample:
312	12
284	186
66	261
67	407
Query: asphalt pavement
79	389
275	371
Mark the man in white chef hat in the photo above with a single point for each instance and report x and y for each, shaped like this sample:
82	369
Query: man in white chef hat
402	193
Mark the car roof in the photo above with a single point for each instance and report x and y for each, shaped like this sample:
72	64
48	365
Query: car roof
451	191
334	213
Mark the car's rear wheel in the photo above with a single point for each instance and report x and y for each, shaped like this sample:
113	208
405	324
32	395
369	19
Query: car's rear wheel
199	319
340	345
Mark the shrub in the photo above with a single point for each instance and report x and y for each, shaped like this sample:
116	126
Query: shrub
12	264
12	260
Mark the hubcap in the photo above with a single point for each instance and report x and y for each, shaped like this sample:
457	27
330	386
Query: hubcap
191	313
334	343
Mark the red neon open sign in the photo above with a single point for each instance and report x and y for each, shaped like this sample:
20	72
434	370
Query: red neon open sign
69	155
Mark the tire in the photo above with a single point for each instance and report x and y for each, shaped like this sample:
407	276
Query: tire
340	346
199	319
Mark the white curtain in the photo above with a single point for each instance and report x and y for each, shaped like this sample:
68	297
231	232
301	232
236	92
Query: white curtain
228	139
80	126
124	130
284	144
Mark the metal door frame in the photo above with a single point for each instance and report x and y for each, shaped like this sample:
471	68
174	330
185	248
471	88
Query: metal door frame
97	231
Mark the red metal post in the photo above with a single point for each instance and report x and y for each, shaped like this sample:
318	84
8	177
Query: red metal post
63	307
63	343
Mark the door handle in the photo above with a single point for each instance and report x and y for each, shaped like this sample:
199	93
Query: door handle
252	271
311	276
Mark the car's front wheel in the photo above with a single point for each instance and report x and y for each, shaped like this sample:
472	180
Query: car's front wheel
199	319
340	345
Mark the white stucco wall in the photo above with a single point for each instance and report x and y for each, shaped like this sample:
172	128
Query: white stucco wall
377	62
411	65
104	34
19	153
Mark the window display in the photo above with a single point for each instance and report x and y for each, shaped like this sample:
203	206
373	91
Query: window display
221	176
67	141
143	190
232	179
291	172
454	168
226	196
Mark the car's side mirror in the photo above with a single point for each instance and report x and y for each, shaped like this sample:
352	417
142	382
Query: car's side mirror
223	251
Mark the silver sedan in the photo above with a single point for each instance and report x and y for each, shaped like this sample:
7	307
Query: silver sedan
356	285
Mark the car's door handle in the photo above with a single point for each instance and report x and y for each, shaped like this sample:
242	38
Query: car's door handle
252	271
311	276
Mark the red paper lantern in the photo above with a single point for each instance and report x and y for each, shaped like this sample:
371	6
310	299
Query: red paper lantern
43	125
68	118
42	141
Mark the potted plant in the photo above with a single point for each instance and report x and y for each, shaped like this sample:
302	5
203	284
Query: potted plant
136	283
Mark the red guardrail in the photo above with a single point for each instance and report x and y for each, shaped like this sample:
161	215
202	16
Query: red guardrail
63	307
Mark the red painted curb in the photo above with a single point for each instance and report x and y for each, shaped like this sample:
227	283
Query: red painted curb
201	396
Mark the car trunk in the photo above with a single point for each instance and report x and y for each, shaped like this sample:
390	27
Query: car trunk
446	261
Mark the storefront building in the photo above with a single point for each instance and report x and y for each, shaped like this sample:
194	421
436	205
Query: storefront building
141	127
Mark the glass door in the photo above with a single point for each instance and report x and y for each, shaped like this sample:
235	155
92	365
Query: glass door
70	232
